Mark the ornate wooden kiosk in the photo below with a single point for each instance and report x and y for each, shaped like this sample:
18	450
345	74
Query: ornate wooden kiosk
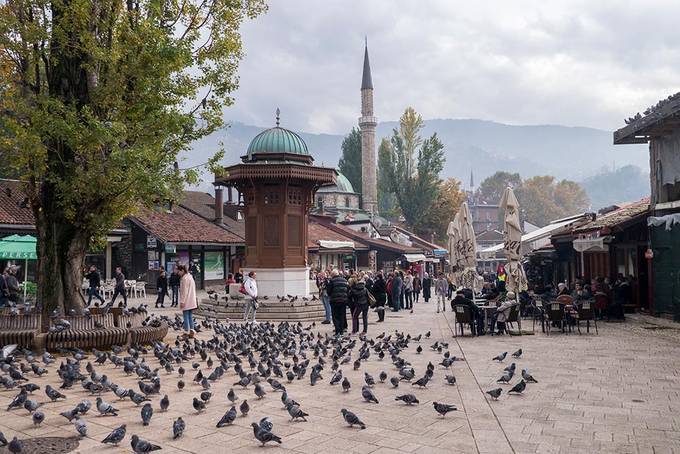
277	181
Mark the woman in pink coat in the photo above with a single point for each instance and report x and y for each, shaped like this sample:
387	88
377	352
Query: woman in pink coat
187	298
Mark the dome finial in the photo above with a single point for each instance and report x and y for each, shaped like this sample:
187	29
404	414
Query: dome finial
278	117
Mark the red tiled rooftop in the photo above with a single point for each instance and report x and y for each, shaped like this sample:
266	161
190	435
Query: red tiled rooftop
11	199
616	217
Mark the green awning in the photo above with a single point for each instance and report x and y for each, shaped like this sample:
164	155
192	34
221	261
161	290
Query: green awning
18	247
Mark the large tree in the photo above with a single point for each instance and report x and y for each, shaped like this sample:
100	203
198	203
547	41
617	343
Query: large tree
350	161
100	98
443	210
543	199
491	189
387	201
412	166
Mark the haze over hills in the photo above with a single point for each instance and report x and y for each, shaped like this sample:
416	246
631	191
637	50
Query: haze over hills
482	147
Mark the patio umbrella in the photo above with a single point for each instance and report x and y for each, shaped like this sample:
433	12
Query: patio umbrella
452	232
19	247
466	247
512	232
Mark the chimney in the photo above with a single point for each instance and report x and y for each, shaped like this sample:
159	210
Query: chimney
219	205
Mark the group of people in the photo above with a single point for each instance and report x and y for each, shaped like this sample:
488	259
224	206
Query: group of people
9	286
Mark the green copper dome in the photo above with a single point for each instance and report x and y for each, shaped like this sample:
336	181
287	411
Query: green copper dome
342	184
277	140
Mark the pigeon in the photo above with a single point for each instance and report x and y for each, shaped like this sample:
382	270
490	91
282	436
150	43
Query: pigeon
31	405
450	379
147	413
500	357
116	435
178	428
517	354
259	391
264	436
205	396
137	398
528	377
421	382
395	382
505	378
140	446
368	378
518	388
180	385
244	407
165	403
382	376
81	426
408	399
368	395
352	419
3	440
228	418
495	393
346	385
295	412
38	418
15	446
53	394
443	409
199	405
336	378
18	400
266	424
83	406
69	414
231	395
106	408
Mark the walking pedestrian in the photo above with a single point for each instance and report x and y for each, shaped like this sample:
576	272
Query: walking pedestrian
4	288
337	289
94	281
174	286
321	282
441	288
162	288
408	290
397	291
379	291
250	287
427	287
188	301
358	296
119	289
417	287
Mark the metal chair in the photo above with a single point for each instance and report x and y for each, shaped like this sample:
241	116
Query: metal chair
586	313
554	313
513	317
463	316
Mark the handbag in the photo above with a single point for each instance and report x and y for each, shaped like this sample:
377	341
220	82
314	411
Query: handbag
371	299
242	289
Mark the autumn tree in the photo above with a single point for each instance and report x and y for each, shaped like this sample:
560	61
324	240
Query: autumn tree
100	98
411	167
350	161
543	199
491	189
443	210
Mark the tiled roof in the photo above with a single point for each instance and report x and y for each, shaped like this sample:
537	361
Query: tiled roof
373	242
319	232
616	217
183	226
203	204
13	209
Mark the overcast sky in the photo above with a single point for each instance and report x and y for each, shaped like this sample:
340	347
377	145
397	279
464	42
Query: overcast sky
577	63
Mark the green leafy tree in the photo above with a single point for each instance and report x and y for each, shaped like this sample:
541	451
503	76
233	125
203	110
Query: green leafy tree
99	98
443	210
491	189
412	167
387	201
350	161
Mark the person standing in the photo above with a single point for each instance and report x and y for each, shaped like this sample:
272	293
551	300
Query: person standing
408	290
187	299
427	287
94	283
417	286
337	289
162	288
321	282
358	295
441	289
174	286
379	291
119	289
397	291
4	288
250	286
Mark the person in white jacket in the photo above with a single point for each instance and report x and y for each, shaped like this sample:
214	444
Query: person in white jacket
250	285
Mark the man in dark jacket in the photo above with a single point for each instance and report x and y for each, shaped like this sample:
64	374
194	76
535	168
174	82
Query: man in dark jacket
94	283
162	288
120	287
463	298
379	291
174	286
397	291
337	289
358	296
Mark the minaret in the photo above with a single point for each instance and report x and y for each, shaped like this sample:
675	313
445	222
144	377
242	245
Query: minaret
367	124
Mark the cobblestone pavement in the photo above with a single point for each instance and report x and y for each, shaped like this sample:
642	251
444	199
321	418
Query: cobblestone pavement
614	392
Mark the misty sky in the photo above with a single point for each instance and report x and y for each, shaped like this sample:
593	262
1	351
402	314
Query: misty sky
578	63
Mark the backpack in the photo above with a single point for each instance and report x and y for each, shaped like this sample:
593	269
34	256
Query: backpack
242	289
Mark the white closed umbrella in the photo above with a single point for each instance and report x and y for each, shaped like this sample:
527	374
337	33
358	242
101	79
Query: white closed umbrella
466	247
512	244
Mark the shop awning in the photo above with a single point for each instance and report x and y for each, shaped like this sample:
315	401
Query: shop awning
328	244
411	258
591	244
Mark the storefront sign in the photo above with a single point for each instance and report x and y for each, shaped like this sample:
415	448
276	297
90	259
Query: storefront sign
170	249
151	242
213	265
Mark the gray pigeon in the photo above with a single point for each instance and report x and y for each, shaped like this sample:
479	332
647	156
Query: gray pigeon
38	418
106	408
408	399
495	393
346	385
116	436
53	394
165	403
31	405
421	382
140	446
395	382
83	406
506	377
450	379
518	388
352	419
500	357
266	424
264	436
368	378
259	391
81	426
199	405
15	446
528	377
443	409
3	440
517	354
295	412
245	408
178	428
228	417
368	395
231	395
147	413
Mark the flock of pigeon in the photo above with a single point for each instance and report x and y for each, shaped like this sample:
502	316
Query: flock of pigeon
508	374
253	359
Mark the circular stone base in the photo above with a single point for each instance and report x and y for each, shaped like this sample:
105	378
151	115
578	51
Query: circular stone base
47	445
